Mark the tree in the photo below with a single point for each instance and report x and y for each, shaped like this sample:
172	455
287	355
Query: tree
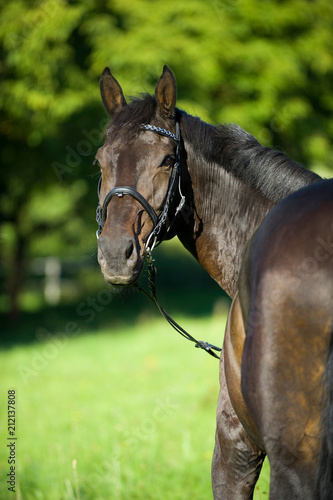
266	66
43	92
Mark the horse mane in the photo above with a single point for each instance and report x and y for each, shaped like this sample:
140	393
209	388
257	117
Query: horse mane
266	170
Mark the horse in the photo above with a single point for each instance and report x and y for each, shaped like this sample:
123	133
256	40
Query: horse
242	210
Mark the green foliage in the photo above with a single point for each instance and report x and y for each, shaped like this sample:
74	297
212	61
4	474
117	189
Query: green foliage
239	60
267	66
43	85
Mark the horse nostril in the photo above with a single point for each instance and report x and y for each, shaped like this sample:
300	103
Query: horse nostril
129	250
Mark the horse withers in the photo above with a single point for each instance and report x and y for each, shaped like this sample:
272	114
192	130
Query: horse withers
165	173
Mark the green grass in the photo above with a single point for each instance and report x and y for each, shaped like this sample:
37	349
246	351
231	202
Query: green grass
133	410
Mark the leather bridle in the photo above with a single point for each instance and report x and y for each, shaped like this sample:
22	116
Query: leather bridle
158	223
157	220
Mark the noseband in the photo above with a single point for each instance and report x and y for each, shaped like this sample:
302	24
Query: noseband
120	191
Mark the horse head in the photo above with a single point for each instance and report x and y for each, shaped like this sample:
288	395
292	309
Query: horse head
137	163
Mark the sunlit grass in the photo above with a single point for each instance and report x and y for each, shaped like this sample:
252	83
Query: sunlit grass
127	414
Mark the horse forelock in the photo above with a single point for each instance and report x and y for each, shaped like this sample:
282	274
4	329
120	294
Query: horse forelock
127	121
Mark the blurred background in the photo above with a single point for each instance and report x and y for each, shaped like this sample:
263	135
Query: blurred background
265	65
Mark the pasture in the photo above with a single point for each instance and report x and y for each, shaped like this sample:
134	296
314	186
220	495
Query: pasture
118	414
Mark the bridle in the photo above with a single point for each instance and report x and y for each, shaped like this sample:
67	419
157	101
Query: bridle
157	220
158	223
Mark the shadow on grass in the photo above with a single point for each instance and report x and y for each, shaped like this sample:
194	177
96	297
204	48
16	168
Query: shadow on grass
183	289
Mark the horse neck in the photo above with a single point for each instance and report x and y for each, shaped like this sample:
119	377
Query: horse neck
224	210
224	219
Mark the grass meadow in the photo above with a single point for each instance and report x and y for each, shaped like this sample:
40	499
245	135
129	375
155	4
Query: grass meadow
122	415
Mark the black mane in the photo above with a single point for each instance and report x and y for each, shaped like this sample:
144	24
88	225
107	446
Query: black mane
266	170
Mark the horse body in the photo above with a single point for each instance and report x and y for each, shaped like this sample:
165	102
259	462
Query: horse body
230	183
286	293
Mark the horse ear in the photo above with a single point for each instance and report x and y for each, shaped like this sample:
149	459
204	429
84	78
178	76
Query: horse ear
166	93
112	95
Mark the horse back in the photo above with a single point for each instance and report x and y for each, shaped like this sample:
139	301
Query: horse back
286	296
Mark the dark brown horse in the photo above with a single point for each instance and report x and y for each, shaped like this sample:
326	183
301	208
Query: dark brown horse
165	173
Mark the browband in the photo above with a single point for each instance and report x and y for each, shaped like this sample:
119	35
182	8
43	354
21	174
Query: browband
161	131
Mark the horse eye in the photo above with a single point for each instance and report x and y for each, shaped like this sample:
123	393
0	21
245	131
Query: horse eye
96	162
168	161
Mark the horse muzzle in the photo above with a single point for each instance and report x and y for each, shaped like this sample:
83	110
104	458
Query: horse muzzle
119	259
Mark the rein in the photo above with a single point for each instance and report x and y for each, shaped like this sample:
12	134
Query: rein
158	223
201	344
